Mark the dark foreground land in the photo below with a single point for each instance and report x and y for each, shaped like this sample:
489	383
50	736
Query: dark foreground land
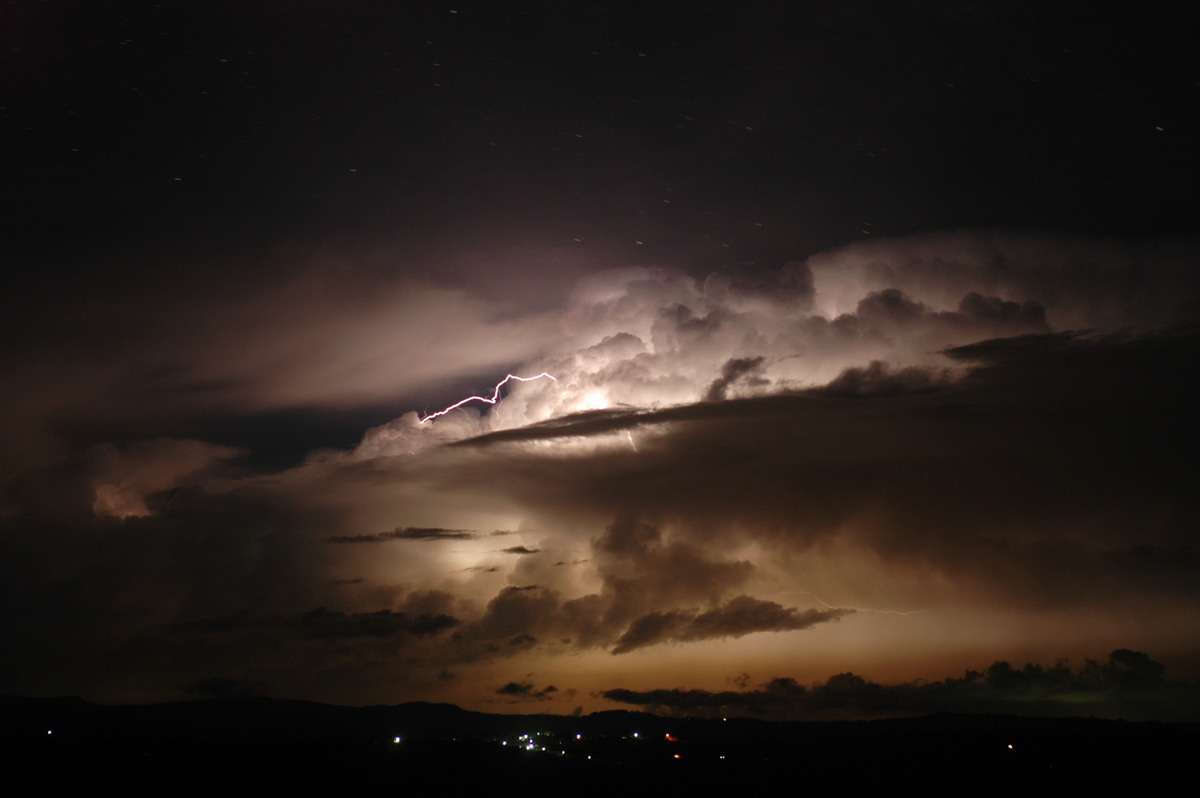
257	746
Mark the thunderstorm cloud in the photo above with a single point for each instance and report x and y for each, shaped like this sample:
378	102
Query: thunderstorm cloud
565	354
909	438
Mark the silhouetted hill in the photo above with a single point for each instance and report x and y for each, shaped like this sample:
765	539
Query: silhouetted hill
243	745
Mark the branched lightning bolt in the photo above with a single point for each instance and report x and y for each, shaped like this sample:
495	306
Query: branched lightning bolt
495	397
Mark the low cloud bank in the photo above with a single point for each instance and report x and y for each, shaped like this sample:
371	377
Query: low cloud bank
1128	684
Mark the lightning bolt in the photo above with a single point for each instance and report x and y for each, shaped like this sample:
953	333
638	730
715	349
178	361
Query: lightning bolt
495	397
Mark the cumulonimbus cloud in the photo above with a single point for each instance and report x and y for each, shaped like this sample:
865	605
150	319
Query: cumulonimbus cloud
914	424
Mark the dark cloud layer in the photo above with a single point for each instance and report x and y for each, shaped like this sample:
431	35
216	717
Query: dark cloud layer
1066	455
1128	682
406	533
739	616
322	622
526	691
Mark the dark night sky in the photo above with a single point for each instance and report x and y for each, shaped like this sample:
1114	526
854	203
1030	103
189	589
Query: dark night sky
146	125
879	316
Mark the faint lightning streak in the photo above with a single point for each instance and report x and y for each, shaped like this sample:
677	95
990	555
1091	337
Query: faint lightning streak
495	397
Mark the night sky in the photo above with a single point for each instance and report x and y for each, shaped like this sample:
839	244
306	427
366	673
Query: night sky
869	332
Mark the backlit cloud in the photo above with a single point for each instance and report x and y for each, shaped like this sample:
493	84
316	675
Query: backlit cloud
970	431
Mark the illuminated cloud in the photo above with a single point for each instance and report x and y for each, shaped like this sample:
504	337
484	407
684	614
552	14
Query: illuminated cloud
789	386
652	338
919	426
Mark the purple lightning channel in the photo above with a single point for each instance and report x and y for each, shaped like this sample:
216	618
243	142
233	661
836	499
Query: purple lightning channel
495	397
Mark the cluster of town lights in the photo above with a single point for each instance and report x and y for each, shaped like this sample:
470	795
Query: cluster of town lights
529	743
